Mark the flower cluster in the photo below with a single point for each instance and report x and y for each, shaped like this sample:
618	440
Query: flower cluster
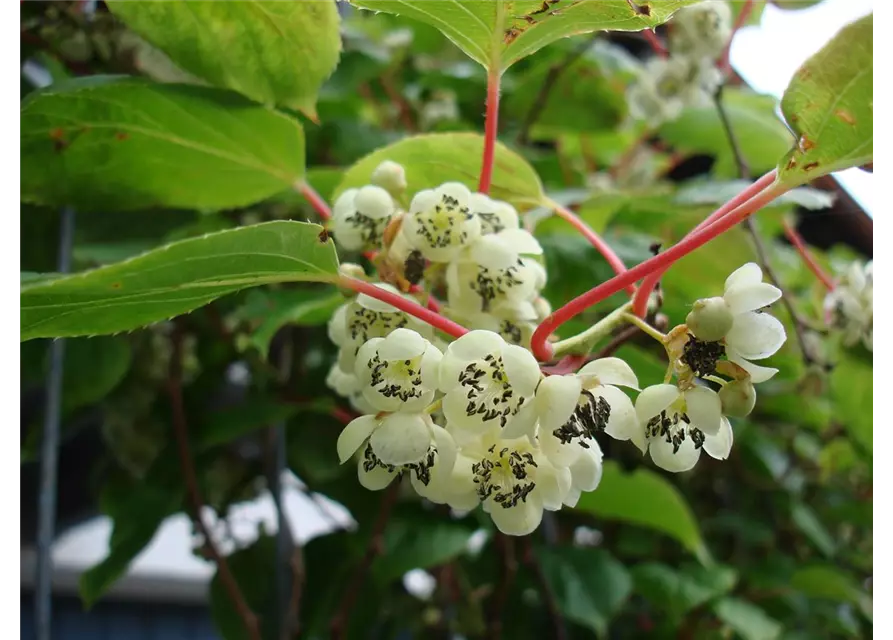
688	76
849	307
464	247
475	421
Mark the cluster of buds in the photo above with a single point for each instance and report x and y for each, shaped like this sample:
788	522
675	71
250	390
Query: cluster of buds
849	307
688	76
473	420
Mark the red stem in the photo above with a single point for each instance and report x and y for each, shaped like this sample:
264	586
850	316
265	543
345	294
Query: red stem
724	64
316	201
543	350
596	240
640	300
807	256
490	126
409	306
655	43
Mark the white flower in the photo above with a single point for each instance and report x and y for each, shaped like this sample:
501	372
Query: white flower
360	216
439	222
666	86
514	481
494	275
850	306
396	443
344	384
390	176
701	30
488	382
675	425
399	372
754	335
357	322
495	215
574	408
512	331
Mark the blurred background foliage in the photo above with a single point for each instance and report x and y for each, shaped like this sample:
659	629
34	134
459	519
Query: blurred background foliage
775	542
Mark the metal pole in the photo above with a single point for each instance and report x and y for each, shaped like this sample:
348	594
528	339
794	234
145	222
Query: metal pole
49	456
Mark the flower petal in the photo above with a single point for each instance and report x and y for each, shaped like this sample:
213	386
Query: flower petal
354	435
704	408
611	371
459	423
655	399
719	445
455	190
744	275
376	478
519	520
751	297
522	423
556	400
553	484
402	438
402	344
757	372
374	202
662	454
422	201
522	369
374	304
493	252
337	327
521	241
364	356
430	366
586	472
623	422
572	497
756	335
344	205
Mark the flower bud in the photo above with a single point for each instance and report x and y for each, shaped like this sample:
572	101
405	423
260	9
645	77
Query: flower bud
391	176
738	398
710	319
351	270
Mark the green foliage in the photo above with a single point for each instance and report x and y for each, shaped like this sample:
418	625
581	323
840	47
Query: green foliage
250	47
114	143
184	275
747	620
829	106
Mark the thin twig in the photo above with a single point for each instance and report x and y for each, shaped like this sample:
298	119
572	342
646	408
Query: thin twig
559	632
542	97
509	568
759	246
375	548
195	503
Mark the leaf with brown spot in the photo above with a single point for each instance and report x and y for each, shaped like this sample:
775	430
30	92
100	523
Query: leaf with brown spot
498	33
829	106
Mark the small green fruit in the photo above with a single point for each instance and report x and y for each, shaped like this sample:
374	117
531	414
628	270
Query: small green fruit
710	319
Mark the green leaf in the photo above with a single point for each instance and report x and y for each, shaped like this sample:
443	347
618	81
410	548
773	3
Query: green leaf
220	427
830	107
175	279
807	521
852	387
646	499
269	311
832	583
497	34
747	620
413	540
253	569
137	509
277	53
590	585
430	160
711	192
761	135
112	143
93	367
678	592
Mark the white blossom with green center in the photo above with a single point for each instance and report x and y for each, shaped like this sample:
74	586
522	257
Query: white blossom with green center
674	425
397	443
357	322
399	372
359	217
701	31
487	383
850	306
574	408
439	223
494	215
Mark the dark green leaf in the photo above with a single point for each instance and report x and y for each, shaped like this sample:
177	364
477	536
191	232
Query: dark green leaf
807	521
114	143
253	568
678	592
175	279
829	106
852	387
220	427
278	53
590	585
93	367
826	581
645	498
747	620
